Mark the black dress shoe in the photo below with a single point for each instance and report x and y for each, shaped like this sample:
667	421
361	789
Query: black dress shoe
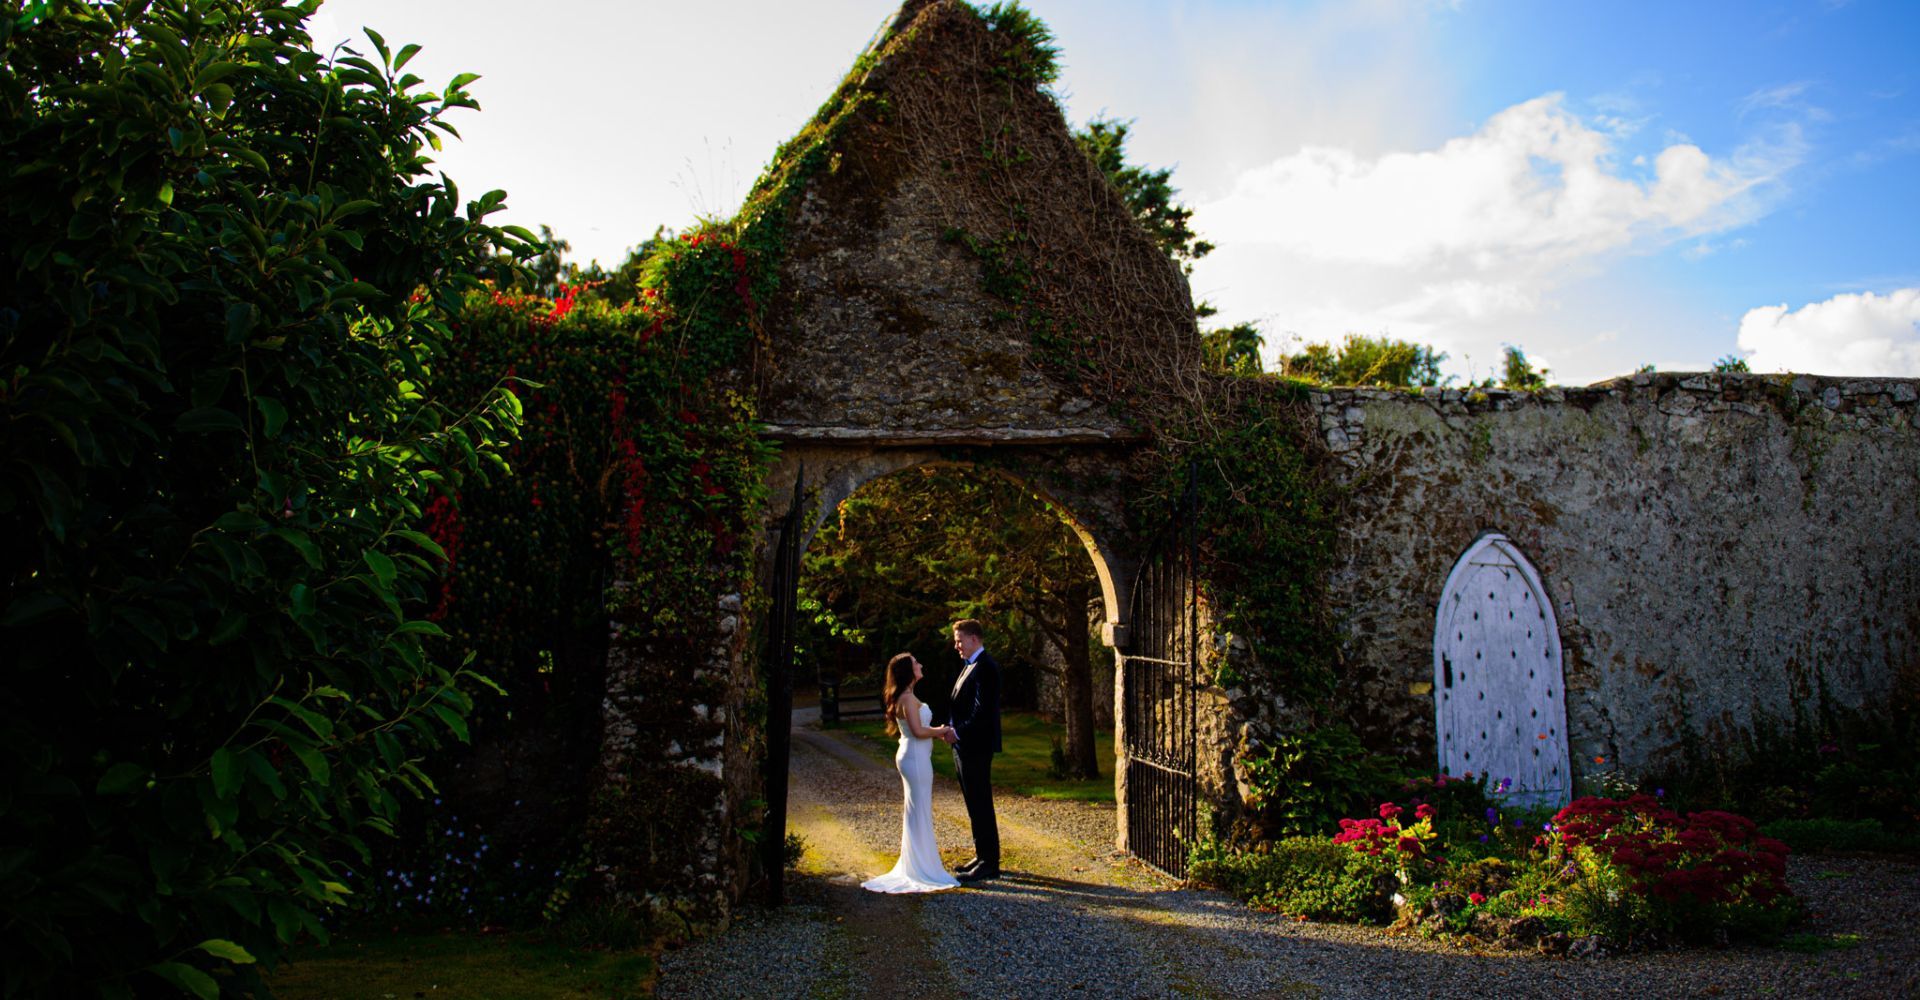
966	866
981	874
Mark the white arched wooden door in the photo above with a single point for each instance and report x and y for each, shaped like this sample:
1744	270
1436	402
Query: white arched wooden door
1499	692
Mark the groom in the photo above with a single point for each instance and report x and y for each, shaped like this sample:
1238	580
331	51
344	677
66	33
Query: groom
975	738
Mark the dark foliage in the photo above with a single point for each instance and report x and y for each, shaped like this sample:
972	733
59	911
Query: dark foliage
221	317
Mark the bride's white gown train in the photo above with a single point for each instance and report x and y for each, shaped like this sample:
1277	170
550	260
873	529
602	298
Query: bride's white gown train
919	868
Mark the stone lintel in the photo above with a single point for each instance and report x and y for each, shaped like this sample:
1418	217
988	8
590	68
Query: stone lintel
887	437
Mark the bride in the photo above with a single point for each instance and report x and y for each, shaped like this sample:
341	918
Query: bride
919	868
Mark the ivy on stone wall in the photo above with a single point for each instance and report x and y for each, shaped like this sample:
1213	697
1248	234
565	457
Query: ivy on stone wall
633	494
1268	515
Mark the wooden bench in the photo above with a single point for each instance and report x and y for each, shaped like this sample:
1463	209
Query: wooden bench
836	707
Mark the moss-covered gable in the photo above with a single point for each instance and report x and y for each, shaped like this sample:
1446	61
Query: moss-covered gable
952	265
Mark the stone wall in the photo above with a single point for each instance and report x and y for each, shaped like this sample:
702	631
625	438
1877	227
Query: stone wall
679	766
1717	547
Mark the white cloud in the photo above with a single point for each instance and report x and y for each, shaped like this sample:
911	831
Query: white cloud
1534	185
1857	333
1785	95
1469	245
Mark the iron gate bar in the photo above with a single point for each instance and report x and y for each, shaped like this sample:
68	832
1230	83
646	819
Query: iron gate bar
785	586
1162	683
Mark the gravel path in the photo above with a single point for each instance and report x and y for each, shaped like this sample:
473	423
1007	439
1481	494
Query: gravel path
1074	918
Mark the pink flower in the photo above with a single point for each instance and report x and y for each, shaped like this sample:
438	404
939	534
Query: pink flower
1425	811
1388	810
1476	898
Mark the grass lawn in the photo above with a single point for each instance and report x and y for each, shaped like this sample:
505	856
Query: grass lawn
460	965
1022	766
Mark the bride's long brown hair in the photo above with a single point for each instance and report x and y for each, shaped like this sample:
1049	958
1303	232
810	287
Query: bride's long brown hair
899	681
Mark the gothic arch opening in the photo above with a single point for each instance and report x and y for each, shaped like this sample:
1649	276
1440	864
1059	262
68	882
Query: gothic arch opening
891	555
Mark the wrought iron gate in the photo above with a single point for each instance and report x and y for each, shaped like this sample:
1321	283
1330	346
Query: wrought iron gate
1160	666
784	591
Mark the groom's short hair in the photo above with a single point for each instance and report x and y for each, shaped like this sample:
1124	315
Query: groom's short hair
972	627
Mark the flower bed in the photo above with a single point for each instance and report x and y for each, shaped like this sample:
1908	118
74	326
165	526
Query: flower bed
1451	860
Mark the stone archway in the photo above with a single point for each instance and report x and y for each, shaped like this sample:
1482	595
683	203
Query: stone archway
1085	481
933	301
1064	476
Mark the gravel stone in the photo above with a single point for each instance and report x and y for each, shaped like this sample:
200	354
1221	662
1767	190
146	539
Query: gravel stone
1073	917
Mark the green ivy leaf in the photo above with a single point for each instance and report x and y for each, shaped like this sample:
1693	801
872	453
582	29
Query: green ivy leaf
453	721
381	565
207	420
419	627
320	724
302	597
425	542
121	779
226	772
316	764
272	413
187	978
238	520
302	544
224	949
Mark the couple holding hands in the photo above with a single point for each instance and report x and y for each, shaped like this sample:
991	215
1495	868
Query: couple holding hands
973	731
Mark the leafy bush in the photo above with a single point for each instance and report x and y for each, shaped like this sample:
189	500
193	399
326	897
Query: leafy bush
1822	834
1638	867
1306	876
1632	871
1822	761
1030	56
1265	564
1305	782
447	868
224	311
1363	360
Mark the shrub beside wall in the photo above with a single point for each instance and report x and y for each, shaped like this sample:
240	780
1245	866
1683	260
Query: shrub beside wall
223	316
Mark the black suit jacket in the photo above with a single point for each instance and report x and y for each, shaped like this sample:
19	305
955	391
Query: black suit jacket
976	707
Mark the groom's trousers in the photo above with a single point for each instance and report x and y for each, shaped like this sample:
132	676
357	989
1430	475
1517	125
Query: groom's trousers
975	772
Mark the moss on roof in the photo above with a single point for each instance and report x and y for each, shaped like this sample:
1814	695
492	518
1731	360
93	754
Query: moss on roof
952	99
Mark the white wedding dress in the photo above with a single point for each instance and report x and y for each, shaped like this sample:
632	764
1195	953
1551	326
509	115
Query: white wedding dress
919	868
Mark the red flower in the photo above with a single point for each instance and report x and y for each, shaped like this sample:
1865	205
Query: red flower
1476	898
1424	811
1388	810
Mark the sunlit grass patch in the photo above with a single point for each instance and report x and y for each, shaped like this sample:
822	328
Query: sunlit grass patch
459	965
1815	943
1023	766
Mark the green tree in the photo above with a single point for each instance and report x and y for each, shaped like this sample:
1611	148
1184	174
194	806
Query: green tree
912	552
1519	373
1363	360
1147	193
228	270
1234	349
1732	363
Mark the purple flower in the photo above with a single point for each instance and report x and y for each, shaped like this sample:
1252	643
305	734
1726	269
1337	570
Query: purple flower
1659	793
1493	815
1483	838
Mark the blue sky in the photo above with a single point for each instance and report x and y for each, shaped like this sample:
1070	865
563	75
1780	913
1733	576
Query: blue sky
1605	185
